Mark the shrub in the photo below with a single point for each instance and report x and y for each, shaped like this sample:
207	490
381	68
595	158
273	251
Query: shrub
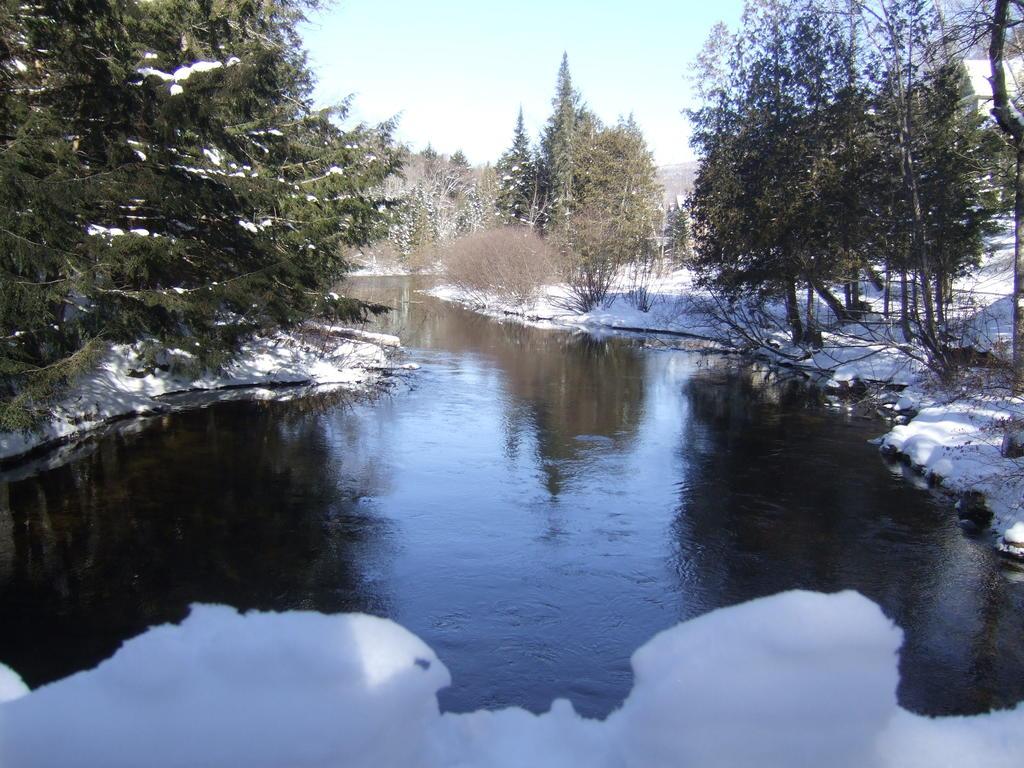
511	263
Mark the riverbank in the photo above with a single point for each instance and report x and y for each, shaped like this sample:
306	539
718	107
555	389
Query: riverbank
266	368
950	433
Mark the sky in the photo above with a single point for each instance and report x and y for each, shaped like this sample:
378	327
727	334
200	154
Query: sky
456	71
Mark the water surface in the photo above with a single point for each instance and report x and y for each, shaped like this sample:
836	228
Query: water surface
534	504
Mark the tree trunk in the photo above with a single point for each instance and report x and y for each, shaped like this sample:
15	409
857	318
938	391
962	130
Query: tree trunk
915	304
1018	274
908	335
793	312
812	334
887	292
1011	121
833	303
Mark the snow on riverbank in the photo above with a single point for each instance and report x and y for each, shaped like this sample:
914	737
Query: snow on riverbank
675	308
798	679
958	441
955	434
318	355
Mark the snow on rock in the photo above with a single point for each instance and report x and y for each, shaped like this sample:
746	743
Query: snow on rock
1013	540
959	443
798	679
116	387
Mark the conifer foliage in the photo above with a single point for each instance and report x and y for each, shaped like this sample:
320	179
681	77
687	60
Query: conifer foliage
590	188
518	198
834	147
164	178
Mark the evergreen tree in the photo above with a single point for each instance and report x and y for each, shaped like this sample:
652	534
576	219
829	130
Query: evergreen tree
517	197
820	163
616	213
558	149
165	179
677	235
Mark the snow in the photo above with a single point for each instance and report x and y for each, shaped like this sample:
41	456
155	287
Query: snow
980	70
152	72
185	72
182	73
368	265
333	356
11	686
1012	542
797	679
1015	535
214	156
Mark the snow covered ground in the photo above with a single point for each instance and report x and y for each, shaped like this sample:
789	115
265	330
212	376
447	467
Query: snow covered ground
955	434
798	679
319	356
374	268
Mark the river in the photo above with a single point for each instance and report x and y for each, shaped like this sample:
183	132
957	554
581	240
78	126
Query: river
535	504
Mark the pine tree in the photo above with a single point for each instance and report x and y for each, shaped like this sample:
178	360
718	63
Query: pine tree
677	235
517	199
558	149
166	180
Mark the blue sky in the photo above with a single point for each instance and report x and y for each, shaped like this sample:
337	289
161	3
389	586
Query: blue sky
457	71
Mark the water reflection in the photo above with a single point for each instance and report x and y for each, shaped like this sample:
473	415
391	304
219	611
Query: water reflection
534	504
785	496
237	504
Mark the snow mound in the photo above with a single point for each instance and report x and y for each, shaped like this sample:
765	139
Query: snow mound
263	689
798	679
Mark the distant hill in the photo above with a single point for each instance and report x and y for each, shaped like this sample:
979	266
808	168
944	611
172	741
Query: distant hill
677	179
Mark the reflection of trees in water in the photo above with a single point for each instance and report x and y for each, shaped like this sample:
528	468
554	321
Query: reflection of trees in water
231	504
780	497
561	385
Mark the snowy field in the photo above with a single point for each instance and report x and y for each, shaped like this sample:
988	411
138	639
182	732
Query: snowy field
956	432
320	356
798	679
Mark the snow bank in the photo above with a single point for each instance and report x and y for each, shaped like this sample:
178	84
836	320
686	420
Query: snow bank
958	444
799	679
674	307
116	388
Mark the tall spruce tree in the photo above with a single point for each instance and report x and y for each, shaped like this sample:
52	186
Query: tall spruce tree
558	148
518	191
165	179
